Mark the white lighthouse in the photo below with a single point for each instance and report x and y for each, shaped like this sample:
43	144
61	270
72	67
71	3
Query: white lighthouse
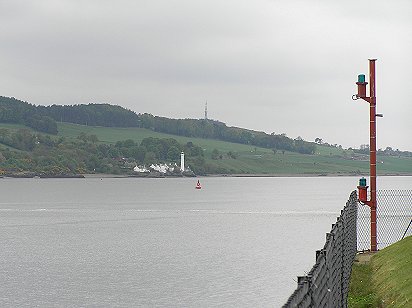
182	161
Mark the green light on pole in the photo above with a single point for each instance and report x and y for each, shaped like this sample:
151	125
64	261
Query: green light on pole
361	78
362	182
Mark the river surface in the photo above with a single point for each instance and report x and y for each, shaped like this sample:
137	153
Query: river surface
127	242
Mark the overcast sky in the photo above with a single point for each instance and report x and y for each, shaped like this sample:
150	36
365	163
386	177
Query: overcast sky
276	66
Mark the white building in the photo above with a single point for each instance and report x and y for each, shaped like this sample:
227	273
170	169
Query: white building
141	169
182	161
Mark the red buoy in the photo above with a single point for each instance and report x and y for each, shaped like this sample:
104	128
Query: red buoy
198	185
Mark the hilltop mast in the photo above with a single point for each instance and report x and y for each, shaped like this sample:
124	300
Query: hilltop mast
206	111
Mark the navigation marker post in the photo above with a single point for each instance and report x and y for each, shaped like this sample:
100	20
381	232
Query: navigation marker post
371	99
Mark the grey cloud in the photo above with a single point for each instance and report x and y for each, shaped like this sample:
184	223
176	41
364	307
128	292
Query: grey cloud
292	65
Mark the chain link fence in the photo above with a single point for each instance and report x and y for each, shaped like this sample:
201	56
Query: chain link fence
327	283
394	219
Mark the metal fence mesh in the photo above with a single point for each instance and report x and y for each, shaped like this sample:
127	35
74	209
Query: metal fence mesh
327	283
394	216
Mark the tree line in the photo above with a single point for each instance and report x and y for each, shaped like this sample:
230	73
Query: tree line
41	154
205	128
44	118
16	111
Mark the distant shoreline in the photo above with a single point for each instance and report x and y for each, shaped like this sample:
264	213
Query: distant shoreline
239	175
309	175
249	175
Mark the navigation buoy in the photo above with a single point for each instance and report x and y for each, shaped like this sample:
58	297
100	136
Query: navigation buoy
198	185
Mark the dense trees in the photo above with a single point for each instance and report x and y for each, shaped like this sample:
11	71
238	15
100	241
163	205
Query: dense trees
43	118
218	130
15	111
44	155
92	114
42	124
21	140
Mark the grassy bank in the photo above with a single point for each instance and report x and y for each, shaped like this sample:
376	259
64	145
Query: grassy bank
384	281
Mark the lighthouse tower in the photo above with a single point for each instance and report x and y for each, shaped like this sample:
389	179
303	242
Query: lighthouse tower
182	161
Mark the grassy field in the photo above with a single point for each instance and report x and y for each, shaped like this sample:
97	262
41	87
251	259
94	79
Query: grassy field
386	281
250	159
327	160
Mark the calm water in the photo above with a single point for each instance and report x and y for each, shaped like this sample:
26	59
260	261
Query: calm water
238	242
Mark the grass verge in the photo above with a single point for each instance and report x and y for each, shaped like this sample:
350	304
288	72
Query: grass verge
386	281
361	292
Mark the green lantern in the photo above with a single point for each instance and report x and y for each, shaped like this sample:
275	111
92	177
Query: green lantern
362	182
361	78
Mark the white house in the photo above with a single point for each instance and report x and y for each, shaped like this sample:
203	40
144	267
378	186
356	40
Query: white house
141	169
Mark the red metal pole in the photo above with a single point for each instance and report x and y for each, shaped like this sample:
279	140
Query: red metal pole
372	148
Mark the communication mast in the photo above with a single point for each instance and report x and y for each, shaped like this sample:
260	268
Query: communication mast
206	111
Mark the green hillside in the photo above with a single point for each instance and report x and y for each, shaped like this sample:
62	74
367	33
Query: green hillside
45	118
256	160
83	138
219	157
